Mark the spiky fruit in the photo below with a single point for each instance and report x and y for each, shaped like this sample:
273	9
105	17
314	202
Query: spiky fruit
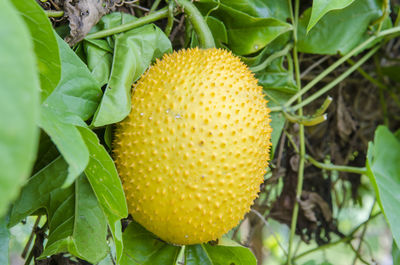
193	151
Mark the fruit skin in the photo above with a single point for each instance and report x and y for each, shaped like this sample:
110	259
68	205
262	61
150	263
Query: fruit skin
193	151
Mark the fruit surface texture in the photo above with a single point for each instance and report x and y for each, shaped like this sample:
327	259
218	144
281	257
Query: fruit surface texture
194	149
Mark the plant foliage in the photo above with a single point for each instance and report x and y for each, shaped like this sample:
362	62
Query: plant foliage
58	106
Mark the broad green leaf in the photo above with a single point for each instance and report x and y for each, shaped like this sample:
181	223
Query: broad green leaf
395	253
218	31
133	52
78	92
259	8
36	193
98	60
258	32
19	104
339	30
77	223
384	172
196	255
143	248
104	179
45	44
321	7
4	242
68	141
227	252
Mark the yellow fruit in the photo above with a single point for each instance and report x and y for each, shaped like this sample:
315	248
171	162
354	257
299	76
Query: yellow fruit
193	151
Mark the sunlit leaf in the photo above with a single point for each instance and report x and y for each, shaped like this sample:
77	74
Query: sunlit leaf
339	30
384	172
104	179
257	31
321	7
68	141
143	248
227	252
134	50
19	104
45	44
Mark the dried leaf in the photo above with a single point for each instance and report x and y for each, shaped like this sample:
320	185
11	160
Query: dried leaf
82	16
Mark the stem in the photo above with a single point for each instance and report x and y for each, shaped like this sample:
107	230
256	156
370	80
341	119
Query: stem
336	81
368	76
206	39
300	175
357	251
272	57
356	170
157	15
28	244
170	22
154	6
344	239
356	50
54	13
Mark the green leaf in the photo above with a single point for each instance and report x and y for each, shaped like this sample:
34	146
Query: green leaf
260	8
143	248
104	179
68	141
227	252
99	60
36	193
77	223
78	92
133	52
74	216
4	242
45	44
339	30
321	7
395	253
19	104
384	172
258	32
279	86
196	255
218	31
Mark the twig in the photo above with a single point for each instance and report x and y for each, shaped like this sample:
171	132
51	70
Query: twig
339	79
259	215
300	173
356	50
272	57
357	251
155	5
157	15
28	244
334	243
311	67
357	170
